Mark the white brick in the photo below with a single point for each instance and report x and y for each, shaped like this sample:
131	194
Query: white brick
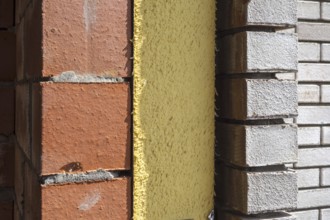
257	98
325	96
313	157
326	135
256	192
325	12
274	13
325	52
308	178
309	52
313	31
221	214
307	215
285	76
308	93
313	198
257	145
325	176
249	52
313	72
325	214
308	10
309	136
313	115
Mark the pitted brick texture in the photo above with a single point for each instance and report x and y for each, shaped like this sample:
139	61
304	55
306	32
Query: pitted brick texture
238	13
256	145
256	192
257	99
84	126
102	200
248	52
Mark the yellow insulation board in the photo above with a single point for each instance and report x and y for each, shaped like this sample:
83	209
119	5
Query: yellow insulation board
174	43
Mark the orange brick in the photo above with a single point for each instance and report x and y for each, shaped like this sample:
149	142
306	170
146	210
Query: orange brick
7	55
6	210
6	13
87	37
102	200
83	126
7	100
7	164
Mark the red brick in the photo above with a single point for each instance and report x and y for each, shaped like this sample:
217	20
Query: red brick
88	37
7	164
6	210
22	124
83	126
7	55
6	13
7	100
102	200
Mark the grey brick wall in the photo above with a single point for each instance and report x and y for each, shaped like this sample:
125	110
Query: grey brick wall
257	100
313	77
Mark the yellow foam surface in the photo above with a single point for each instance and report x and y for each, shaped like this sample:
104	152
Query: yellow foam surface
173	109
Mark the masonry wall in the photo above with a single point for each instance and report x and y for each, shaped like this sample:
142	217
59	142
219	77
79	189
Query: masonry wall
314	110
7	108
256	104
73	109
173	109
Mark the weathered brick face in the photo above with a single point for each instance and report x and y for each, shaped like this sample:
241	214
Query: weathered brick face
79	122
91	123
257	101
100	200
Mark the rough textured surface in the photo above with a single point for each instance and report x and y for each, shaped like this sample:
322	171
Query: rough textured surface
85	36
173	109
238	13
256	192
84	127
257	145
103	200
257	98
247	52
72	77
93	176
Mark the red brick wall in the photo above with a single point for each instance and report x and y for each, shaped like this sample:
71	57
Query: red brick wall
73	109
